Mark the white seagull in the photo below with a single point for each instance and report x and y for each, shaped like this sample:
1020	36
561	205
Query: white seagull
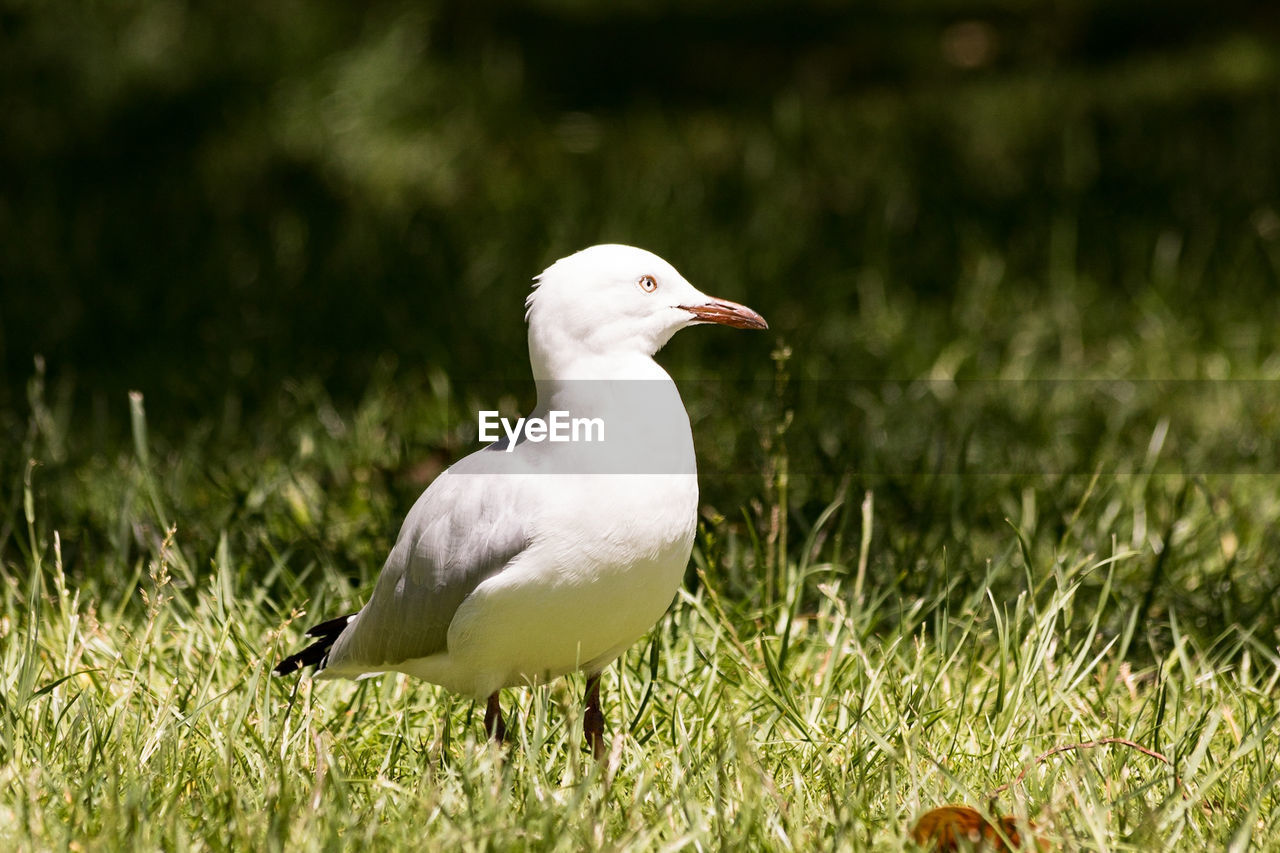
533	558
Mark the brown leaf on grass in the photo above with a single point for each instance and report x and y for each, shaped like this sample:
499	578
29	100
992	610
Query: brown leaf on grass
947	828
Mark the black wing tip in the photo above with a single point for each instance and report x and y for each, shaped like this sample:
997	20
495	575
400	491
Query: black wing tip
326	634
312	655
292	663
331	627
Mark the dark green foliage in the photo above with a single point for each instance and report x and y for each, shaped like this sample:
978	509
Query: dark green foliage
286	223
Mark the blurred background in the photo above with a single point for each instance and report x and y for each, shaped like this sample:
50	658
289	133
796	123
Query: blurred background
267	216
198	197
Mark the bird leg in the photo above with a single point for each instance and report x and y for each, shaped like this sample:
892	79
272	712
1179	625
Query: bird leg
493	722
593	719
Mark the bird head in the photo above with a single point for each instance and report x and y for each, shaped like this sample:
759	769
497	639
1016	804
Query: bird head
613	299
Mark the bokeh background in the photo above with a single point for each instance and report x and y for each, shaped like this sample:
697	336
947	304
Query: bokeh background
980	230
209	197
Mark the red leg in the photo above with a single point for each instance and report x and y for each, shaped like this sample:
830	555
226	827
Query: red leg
593	718
493	723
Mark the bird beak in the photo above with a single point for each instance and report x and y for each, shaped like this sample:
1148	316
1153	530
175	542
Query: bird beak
726	313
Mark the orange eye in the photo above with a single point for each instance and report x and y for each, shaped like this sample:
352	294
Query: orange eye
648	283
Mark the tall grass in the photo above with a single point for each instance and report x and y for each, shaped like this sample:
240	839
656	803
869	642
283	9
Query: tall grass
827	710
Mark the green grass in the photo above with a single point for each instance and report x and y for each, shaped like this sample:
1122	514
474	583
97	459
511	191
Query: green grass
884	668
1008	485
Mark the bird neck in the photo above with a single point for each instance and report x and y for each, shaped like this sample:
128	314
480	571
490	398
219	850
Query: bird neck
562	360
632	406
589	379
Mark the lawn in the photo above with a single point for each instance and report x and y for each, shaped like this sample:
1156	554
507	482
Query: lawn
819	684
989	517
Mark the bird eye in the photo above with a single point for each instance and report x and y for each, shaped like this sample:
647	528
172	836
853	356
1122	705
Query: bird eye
648	283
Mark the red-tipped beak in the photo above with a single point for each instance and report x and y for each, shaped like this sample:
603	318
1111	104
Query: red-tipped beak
726	313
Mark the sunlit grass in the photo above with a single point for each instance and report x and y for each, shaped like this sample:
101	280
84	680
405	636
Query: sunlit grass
139	712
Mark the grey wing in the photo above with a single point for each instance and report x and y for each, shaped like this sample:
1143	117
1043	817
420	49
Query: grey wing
462	531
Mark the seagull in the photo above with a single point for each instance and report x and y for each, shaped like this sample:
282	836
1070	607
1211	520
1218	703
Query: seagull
533	558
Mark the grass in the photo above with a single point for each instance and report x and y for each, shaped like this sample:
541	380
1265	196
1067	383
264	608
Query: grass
882	672
995	526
